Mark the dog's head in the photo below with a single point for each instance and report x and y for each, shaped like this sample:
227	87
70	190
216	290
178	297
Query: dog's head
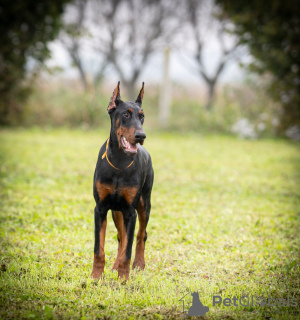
127	120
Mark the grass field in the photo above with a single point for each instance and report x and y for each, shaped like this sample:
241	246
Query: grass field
224	221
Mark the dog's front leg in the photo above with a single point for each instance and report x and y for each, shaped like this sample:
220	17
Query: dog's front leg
143	210
100	229
129	217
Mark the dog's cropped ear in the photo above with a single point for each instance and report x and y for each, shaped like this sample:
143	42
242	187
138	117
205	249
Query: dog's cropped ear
115	99
139	99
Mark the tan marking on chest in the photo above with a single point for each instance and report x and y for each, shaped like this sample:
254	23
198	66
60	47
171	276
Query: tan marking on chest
104	190
128	193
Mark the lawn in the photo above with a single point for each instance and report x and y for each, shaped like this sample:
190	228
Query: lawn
224	222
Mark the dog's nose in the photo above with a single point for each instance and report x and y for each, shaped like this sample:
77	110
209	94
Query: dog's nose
140	136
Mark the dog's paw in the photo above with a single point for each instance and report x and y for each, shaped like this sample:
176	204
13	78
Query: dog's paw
123	270
138	264
116	265
96	274
123	275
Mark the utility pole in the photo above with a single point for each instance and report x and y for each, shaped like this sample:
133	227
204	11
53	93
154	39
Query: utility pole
165	92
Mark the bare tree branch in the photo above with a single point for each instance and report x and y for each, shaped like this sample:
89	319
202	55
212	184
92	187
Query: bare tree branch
197	11
71	38
128	32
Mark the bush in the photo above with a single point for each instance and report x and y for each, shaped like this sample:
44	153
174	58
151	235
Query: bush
65	104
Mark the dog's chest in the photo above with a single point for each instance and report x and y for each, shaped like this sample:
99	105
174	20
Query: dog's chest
116	194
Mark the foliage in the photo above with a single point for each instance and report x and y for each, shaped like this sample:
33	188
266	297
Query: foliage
271	29
25	29
224	221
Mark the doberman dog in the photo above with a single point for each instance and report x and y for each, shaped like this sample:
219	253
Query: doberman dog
123	182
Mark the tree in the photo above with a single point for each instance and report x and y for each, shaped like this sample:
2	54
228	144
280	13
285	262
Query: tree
72	34
271	30
134	30
76	38
124	33
25	29
203	27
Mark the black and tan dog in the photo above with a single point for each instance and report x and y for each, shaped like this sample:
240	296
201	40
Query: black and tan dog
123	182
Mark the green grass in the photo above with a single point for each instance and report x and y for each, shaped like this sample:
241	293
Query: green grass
224	221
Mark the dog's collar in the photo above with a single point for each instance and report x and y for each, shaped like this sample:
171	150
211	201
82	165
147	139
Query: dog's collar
105	155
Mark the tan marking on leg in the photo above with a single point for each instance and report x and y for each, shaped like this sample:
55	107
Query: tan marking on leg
139	260
119	222
99	261
124	268
121	264
104	190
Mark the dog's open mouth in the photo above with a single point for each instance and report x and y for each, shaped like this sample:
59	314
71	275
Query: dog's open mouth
128	147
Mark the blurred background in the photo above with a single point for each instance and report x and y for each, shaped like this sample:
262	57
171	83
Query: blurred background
226	67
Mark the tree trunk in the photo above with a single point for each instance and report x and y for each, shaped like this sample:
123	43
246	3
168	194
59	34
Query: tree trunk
211	95
130	88
77	63
82	76
100	75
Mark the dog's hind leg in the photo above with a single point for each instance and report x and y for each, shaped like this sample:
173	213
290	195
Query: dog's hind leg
119	223
100	230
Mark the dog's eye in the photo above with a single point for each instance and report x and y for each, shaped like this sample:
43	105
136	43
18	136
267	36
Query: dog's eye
142	117
126	115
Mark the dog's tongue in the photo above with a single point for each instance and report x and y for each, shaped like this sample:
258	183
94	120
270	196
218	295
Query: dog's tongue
131	147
